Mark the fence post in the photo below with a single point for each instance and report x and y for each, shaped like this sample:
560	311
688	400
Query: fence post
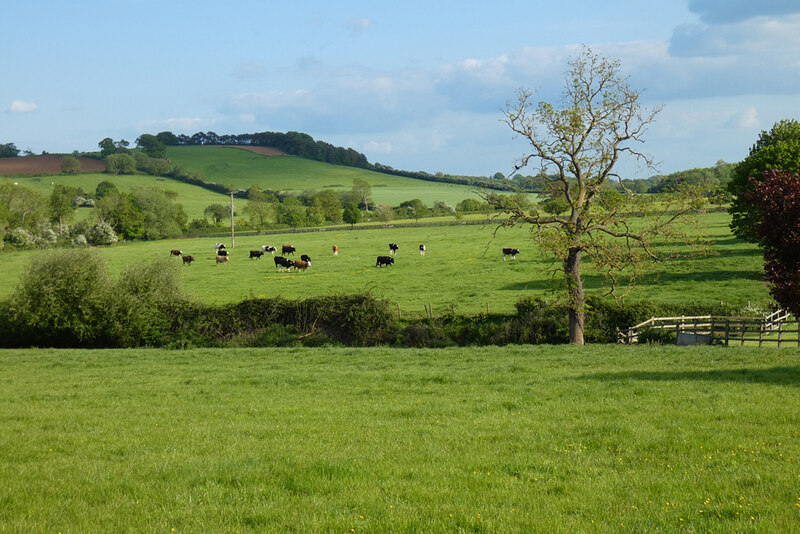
727	330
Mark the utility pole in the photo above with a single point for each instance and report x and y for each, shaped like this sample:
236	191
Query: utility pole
233	245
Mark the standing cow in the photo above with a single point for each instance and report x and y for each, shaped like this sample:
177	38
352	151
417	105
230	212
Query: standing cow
283	263
222	259
384	260
256	254
269	248
175	252
187	260
393	248
510	252
288	249
422	250
335	250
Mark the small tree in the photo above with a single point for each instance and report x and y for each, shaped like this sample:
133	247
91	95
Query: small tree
70	165
151	146
578	146
120	164
217	212
363	191
777	197
62	205
351	214
384	213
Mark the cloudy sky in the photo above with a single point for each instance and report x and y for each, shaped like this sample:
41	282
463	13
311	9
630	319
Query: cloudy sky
418	85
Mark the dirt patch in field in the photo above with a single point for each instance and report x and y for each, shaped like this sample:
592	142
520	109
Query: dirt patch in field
263	150
35	165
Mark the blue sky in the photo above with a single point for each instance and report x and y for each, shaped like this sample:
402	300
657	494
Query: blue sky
414	85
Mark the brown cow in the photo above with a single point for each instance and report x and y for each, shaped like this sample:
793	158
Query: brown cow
187	260
301	265
222	259
335	250
175	252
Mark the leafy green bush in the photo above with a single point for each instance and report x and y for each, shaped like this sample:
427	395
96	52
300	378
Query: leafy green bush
60	301
148	304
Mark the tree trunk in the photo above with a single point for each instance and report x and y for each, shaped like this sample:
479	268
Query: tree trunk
577	300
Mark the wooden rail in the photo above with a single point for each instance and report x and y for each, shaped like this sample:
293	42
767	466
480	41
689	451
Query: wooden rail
776	327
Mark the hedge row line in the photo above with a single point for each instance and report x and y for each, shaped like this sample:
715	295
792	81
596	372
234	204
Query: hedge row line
68	299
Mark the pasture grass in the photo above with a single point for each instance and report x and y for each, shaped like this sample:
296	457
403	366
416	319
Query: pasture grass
194	199
462	270
240	169
513	439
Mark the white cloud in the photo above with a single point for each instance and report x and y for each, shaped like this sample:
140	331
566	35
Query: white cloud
359	26
20	106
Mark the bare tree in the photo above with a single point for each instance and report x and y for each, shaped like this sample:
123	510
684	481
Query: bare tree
577	147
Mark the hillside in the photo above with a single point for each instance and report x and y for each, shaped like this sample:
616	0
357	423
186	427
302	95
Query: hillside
241	168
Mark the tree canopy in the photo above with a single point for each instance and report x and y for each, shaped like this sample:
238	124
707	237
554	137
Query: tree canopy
779	149
577	146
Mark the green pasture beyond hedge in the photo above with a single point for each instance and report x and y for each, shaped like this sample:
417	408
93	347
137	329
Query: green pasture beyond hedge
487	439
462	269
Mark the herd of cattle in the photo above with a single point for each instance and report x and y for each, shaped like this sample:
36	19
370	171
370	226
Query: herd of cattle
281	262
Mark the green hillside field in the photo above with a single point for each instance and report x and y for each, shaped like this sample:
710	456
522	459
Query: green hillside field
240	169
463	268
194	199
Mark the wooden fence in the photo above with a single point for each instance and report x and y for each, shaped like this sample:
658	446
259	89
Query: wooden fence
776	327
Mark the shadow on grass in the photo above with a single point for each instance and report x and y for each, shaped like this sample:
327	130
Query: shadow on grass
781	376
592	281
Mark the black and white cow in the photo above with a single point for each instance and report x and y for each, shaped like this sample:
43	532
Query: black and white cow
393	248
282	263
384	260
306	258
269	248
510	252
218	246
222	252
422	250
256	254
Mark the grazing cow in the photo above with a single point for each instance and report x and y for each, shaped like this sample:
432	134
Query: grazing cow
301	265
422	250
187	260
222	259
287	249
510	252
218	246
335	250
384	260
256	254
222	252
393	248
281	263
175	252
306	257
269	248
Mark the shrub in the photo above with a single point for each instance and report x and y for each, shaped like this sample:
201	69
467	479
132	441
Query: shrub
102	234
148	304
21	237
60	301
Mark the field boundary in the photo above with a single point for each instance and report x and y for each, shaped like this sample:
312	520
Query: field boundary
775	327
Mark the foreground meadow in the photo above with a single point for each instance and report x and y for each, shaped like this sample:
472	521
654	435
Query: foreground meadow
514	439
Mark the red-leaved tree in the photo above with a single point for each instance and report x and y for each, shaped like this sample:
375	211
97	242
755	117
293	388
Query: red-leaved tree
778	200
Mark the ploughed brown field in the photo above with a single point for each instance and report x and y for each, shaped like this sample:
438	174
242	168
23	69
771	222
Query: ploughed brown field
45	165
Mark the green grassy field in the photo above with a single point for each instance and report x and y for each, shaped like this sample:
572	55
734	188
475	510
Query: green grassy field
512	439
463	267
194	199
241	169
